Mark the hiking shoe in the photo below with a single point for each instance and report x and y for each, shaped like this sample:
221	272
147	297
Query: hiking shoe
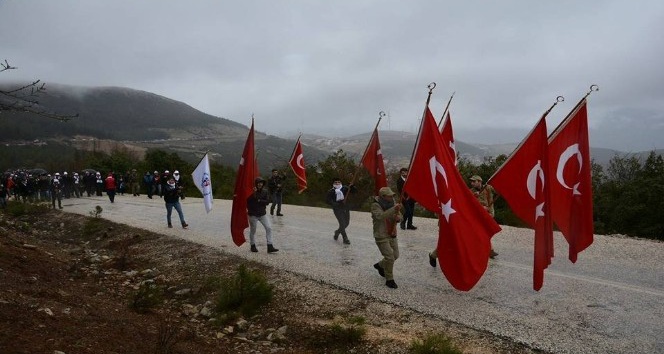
185	225
253	248
170	226
346	241
336	235
411	227
493	254
280	214
391	284
271	249
432	261
380	269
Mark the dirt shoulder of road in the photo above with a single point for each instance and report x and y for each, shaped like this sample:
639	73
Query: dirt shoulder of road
68	282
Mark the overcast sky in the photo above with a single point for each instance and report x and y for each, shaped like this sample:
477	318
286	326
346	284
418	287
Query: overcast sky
329	67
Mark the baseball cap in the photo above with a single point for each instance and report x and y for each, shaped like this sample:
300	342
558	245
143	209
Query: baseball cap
476	178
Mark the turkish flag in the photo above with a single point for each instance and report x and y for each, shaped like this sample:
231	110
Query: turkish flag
448	137
523	181
571	187
244	187
465	228
372	160
296	163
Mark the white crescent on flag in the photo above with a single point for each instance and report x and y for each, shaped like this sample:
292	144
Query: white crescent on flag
571	151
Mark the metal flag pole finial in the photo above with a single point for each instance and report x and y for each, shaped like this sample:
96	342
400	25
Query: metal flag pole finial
593	87
431	86
558	100
381	114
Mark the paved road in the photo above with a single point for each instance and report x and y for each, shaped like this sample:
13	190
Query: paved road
610	301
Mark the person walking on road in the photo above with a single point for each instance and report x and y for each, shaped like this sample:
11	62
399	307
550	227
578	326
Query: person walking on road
172	200
385	215
336	197
56	191
276	189
485	195
407	202
257	210
110	186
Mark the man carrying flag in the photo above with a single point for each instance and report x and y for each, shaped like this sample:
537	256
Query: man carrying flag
465	229
201	177
296	163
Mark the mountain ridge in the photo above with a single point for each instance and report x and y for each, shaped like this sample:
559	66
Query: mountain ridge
141	120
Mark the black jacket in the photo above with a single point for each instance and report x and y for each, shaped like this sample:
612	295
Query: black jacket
331	197
257	202
171	194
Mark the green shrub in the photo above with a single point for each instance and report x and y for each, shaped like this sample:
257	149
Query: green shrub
147	297
19	209
347	334
434	344
92	226
96	213
245	293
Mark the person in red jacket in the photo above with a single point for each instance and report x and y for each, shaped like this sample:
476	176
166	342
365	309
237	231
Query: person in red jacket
110	186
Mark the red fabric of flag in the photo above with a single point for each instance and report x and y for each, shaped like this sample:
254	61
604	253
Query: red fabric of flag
296	163
523	181
465	228
373	162
244	186
571	186
447	134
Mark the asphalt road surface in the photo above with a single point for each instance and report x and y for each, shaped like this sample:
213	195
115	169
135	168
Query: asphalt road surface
610	301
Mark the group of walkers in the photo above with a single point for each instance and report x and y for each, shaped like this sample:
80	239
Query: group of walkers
386	213
37	186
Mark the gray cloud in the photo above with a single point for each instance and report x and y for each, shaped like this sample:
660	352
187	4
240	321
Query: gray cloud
330	67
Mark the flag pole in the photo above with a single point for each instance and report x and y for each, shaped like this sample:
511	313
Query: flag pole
295	147
381	114
206	152
593	87
558	100
431	86
445	111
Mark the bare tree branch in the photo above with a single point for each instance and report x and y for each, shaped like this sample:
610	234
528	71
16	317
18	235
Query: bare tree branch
23	99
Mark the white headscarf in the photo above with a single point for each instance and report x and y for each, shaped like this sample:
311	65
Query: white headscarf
339	192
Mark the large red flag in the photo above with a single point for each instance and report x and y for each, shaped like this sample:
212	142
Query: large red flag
465	228
523	181
447	134
571	189
296	163
244	186
373	161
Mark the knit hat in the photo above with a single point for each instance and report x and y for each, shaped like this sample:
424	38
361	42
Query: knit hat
385	192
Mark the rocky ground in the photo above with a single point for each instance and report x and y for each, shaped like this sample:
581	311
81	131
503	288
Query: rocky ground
67	283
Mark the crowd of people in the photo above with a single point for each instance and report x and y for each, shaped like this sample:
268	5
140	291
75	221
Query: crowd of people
40	186
386	212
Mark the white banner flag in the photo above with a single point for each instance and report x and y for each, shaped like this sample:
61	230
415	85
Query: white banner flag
201	176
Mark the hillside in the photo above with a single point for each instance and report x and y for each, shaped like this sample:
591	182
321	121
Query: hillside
115	117
111	117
